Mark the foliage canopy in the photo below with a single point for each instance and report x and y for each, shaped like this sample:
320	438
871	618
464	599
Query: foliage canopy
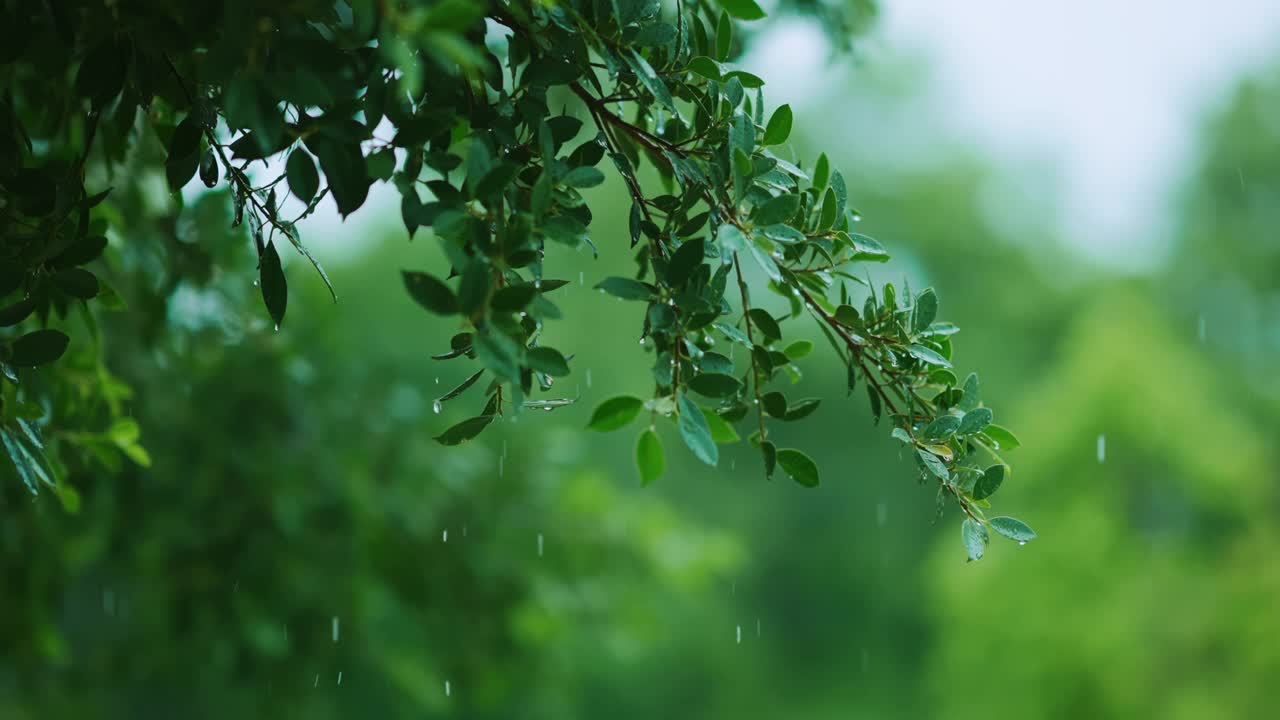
491	119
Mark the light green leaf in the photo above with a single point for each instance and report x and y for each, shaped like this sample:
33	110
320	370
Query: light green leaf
975	538
1013	528
615	413
650	459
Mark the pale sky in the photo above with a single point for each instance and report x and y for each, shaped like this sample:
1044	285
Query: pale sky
1105	96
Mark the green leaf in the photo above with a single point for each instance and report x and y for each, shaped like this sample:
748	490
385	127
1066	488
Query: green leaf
626	288
989	482
565	229
651	81
498	353
934	465
724	37
465	430
926	310
1013	528
975	538
798	349
941	427
742	9
275	292
209	168
184	154
779	127
777	210
40	347
715	385
975	420
721	431
695	432
17	312
764	322
1003	439
304	181
929	355
473	288
801	409
77	282
971	398
799	467
650	460
583	177
460	389
614	413
429	292
547	360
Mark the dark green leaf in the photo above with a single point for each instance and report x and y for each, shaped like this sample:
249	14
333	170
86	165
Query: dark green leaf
430	293
304	181
464	431
77	282
989	482
799	467
715	385
626	288
779	128
695	432
40	347
742	9
548	361
275	292
778	210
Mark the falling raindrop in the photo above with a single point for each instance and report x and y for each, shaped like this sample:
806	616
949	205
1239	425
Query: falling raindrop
539	544
757	627
277	327
339	678
317	684
334	628
582	280
501	466
444	536
436	407
739	634
1102	448
882	513
447	690
866	659
464	531
1200	331
588	377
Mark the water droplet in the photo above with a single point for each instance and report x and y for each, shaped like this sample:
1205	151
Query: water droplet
1022	542
1102	448
317	680
436	407
641	341
277	327
333	628
444	536
437	381
447	689
501	463
857	217
539	544
739	634
339	678
537	284
882	513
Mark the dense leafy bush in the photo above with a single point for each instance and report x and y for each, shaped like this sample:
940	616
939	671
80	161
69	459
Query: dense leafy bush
490	118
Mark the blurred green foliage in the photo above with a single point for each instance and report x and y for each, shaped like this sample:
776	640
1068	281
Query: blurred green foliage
296	521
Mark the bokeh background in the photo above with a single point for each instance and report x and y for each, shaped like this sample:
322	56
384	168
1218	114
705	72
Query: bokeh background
1093	191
